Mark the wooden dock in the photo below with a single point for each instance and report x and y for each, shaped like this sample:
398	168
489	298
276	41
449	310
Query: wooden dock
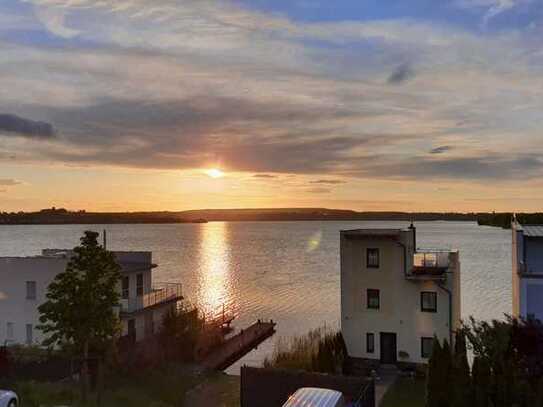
239	345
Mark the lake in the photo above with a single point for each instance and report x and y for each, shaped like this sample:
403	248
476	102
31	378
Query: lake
285	271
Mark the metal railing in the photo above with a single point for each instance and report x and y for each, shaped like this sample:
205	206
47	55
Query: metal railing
160	293
431	259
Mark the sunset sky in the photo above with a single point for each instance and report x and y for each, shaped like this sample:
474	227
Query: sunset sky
412	105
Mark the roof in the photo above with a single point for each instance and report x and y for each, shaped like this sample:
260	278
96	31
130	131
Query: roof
314	397
532	230
374	232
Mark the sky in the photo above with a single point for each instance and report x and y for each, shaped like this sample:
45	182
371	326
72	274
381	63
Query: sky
126	105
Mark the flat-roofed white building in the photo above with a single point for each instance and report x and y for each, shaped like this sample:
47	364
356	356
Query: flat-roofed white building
24	282
395	298
527	271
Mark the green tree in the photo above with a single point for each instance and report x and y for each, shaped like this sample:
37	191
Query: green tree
80	307
460	371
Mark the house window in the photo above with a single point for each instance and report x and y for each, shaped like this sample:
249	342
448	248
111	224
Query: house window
370	343
426	345
126	287
29	334
372	258
139	285
9	329
373	299
428	301
30	290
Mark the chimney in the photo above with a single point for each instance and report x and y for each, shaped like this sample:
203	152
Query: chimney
414	230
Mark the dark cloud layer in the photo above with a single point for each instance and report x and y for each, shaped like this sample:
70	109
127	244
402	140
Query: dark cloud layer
401	74
8	182
440	149
265	176
327	181
489	167
25	127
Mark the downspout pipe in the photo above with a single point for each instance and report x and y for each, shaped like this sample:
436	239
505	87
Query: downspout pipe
449	294
404	258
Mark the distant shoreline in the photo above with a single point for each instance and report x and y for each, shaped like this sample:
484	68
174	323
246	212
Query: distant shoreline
61	216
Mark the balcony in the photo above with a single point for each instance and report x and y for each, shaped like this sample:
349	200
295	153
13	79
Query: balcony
161	293
429	265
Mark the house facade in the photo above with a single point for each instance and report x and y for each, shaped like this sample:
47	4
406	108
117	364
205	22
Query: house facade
527	271
395	298
24	282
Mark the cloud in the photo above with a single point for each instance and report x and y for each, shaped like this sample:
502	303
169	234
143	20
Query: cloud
9	182
327	181
54	19
25	127
264	176
401	74
440	149
176	86
319	190
493	7
479	168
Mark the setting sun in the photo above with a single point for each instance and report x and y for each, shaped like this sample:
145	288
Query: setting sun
215	173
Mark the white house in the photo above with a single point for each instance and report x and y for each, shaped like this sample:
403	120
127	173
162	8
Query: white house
527	271
395	298
24	282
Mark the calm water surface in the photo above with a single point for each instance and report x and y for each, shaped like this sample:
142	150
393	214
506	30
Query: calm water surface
285	271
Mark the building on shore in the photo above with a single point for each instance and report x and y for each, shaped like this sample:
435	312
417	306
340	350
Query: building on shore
395	297
24	282
527	270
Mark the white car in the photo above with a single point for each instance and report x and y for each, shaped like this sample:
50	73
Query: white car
314	397
8	399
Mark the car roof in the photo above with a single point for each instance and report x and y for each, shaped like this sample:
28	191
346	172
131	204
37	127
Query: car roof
314	397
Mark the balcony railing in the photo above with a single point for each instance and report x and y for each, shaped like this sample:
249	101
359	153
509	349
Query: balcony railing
160	293
433	263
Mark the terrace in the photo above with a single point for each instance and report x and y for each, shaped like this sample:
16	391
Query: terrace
161	293
429	264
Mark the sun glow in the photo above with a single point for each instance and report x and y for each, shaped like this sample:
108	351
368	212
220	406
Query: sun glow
215	173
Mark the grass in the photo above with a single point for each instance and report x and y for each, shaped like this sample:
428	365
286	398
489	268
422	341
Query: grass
160	388
406	392
218	390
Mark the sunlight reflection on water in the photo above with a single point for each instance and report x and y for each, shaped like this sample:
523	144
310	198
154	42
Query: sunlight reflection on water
214	280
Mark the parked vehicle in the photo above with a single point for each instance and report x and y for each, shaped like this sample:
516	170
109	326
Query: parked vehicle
8	399
315	397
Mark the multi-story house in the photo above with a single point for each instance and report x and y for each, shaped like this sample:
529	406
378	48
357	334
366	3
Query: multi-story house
24	282
395	298
527	271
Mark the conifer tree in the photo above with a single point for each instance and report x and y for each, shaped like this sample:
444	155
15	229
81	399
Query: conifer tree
445	375
481	379
433	375
461	380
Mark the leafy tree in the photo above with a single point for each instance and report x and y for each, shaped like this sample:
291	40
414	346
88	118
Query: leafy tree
80	307
180	333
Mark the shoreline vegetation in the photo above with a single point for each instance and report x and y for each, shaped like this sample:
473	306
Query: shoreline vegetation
503	220
61	216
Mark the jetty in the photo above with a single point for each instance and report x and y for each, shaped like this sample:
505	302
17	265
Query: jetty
239	345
